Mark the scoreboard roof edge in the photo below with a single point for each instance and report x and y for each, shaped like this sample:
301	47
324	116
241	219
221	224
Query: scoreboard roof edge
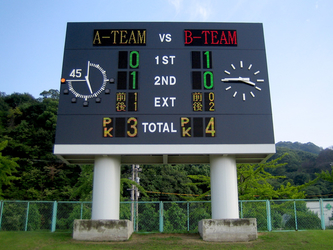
164	154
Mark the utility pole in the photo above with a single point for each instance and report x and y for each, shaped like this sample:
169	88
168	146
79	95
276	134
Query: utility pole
132	195
135	194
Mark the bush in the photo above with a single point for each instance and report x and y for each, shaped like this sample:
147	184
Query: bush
14	216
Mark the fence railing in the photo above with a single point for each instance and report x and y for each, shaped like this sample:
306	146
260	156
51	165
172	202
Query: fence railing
158	216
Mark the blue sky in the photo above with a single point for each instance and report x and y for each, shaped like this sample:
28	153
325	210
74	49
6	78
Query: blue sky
298	36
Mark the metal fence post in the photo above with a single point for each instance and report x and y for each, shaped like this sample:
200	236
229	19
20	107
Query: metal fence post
137	214
81	210
322	217
241	209
1	210
54	216
134	216
268	211
27	217
161	216
272	216
188	217
295	211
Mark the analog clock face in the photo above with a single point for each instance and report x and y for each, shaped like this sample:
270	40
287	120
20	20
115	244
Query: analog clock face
242	80
87	84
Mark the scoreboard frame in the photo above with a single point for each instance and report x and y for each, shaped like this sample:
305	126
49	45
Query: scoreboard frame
156	92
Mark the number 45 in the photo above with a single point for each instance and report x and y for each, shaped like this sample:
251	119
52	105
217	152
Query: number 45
76	73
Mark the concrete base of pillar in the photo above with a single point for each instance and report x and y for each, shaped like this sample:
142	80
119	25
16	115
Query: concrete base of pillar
232	230
102	230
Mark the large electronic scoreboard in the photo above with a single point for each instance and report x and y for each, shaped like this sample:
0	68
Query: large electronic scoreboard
164	92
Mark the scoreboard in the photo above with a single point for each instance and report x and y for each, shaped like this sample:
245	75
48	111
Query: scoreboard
164	92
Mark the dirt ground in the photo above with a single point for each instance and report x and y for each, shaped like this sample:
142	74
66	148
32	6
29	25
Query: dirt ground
187	239
184	238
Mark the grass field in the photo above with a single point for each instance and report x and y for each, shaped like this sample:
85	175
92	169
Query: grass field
272	240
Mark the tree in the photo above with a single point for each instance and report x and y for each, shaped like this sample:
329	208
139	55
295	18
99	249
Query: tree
308	147
170	179
253	182
52	93
7	168
326	161
201	181
16	99
174	218
149	217
326	175
29	127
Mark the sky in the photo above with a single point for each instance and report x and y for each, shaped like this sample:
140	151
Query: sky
298	39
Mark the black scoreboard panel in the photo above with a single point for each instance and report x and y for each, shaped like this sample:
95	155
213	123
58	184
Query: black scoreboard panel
164	89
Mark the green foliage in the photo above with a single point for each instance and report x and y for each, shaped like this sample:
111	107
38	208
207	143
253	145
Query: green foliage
149	217
71	212
326	175
35	218
198	212
15	219
284	213
253	182
52	94
129	183
302	168
256	210
83	187
173	180
125	211
8	166
295	158
16	99
174	218
201	180
305	220
28	124
14	215
307	147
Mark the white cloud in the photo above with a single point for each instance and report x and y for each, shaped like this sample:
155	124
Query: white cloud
202	10
177	4
195	10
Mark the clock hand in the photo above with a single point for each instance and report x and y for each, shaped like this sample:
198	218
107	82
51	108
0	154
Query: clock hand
249	82
88	83
87	78
241	79
88	68
75	80
227	79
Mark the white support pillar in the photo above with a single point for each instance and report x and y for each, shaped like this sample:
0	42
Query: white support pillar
224	189
106	188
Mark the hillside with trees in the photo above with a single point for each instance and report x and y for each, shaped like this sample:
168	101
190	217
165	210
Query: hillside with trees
30	171
304	163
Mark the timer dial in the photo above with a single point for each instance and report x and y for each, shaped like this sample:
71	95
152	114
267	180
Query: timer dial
241	74
92	85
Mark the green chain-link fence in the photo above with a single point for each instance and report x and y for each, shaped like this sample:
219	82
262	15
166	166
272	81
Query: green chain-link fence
161	216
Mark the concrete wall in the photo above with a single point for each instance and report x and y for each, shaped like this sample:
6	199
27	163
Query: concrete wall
102	230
